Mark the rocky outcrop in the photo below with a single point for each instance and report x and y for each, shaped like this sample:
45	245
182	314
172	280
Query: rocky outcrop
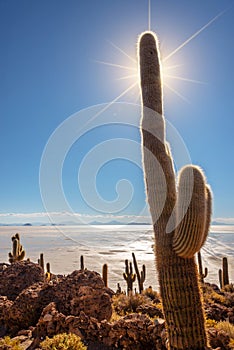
84	291
81	291
19	276
134	331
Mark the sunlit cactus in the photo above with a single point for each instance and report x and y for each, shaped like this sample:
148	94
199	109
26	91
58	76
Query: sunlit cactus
180	212
41	262
129	276
18	253
140	274
202	274
223	274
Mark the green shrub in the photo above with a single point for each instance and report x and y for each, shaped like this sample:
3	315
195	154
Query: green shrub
63	342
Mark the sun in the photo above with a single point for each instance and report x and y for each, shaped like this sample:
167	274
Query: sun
169	74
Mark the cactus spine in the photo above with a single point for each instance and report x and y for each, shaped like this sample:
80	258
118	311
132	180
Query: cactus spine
129	276
18	253
200	268
180	228
140	275
105	274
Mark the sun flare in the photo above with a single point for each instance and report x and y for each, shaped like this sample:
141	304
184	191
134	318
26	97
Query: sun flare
169	72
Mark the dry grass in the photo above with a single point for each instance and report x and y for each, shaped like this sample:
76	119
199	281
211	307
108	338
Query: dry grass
8	343
63	342
227	327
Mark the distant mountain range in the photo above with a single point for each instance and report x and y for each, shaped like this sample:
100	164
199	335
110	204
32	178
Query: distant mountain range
95	223
71	223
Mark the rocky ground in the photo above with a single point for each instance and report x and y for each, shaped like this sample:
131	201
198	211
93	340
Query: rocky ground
32	307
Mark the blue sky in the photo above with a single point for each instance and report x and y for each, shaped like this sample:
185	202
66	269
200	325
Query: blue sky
49	71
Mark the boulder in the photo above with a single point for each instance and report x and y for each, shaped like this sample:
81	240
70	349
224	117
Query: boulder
84	291
18	276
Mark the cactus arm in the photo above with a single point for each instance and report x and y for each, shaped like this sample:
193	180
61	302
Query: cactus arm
190	232
140	275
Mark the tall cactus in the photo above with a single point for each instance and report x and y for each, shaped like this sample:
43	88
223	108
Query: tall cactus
180	214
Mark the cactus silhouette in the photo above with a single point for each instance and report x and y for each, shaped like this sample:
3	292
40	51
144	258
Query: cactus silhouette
18	253
129	276
180	214
41	262
105	274
200	268
223	274
140	275
82	262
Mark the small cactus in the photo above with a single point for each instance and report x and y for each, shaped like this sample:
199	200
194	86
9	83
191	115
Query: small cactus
119	290
18	253
48	274
200	268
82	262
140	275
105	274
223	274
129	276
41	262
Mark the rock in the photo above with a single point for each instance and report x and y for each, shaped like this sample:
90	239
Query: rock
19	276
84	291
27	307
218	339
130	332
150	310
218	312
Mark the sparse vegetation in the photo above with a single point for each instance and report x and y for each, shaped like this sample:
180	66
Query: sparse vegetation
63	342
8	343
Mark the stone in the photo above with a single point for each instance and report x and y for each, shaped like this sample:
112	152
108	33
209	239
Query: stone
19	276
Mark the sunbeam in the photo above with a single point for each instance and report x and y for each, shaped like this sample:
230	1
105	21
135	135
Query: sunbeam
115	65
184	79
122	51
128	77
172	67
111	103
176	92
193	36
149	15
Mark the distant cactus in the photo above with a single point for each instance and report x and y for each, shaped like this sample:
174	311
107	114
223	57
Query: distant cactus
119	290
180	215
129	276
48	274
82	262
18	252
223	274
105	274
41	262
200	268
140	275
